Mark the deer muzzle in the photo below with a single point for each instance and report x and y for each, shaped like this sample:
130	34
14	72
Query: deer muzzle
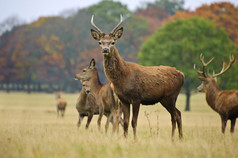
105	50
87	91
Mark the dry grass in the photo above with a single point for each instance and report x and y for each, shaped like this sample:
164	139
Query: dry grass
29	128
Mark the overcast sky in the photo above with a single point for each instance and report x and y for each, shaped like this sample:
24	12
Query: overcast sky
30	10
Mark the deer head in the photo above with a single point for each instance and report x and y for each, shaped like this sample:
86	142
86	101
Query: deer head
86	85
107	42
205	77
86	73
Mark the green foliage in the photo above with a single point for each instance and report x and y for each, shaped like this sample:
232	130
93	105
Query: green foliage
180	42
108	11
169	5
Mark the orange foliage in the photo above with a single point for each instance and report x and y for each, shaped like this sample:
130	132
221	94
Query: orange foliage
224	14
42	20
154	17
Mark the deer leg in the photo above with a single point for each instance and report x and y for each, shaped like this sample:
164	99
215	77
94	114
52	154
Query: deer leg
223	121
109	118
90	116
169	104
120	113
179	123
126	115
115	115
100	118
80	120
233	123
173	120
62	113
135	111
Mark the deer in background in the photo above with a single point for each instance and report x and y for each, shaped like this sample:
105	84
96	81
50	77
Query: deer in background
136	84
86	106
224	102
61	105
108	102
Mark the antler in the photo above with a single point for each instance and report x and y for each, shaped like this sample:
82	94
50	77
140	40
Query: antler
112	32
95	26
203	72
223	70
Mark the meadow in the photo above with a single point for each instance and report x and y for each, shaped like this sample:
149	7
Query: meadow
29	127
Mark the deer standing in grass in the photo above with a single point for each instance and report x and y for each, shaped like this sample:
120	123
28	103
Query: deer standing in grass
86	106
105	98
224	102
135	84
61	105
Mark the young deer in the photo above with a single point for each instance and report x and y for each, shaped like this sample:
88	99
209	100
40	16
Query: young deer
108	104
135	84
86	106
224	102
61	105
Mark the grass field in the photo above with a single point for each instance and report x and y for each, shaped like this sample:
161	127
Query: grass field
29	128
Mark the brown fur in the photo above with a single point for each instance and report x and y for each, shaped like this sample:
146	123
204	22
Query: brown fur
224	102
135	84
86	106
61	105
103	94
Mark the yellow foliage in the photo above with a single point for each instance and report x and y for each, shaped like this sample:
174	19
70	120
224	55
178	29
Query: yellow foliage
39	22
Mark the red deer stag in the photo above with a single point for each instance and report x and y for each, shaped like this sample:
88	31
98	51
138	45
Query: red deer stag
103	94
224	102
86	106
136	84
61	105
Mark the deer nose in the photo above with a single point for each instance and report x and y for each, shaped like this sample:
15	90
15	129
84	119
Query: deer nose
105	50
87	91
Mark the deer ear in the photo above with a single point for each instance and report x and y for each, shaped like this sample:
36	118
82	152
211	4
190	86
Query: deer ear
92	63
118	33
95	35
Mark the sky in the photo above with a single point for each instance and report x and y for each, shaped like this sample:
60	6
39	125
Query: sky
31	10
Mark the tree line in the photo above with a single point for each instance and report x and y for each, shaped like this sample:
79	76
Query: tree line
45	54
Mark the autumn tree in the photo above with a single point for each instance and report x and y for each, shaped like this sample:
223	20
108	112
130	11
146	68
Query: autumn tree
223	14
154	17
49	51
180	42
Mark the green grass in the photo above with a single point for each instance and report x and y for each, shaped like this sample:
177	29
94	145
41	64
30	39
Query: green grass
30	128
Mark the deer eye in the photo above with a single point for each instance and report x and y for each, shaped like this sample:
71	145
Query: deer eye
113	43
99	43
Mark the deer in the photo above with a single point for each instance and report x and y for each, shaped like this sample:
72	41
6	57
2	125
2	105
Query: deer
86	106
61	105
224	102
136	84
105	97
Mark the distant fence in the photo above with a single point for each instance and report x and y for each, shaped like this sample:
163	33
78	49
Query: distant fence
44	87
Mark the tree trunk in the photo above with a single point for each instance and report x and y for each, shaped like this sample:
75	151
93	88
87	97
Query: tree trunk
187	108
188	94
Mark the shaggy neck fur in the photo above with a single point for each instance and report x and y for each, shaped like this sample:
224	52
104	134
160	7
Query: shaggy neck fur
212	92
115	67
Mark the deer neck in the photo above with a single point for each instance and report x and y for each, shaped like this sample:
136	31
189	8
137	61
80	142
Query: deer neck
95	84
83	97
115	67
212	92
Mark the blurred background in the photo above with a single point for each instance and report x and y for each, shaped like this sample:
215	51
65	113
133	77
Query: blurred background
43	44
